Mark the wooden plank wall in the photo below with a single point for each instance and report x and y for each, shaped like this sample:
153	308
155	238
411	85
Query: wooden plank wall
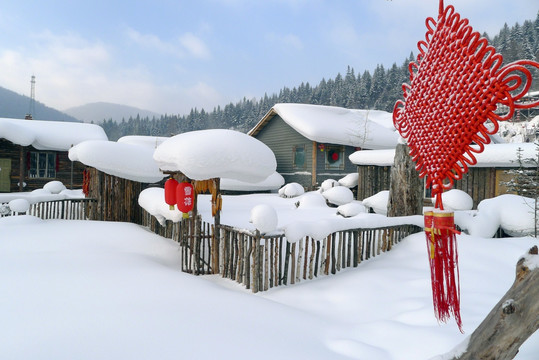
372	179
116	198
479	183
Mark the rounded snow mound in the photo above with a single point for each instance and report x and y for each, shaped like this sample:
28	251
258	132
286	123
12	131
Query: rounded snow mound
351	209
216	153
378	202
19	205
349	180
328	184
54	187
291	190
338	195
264	218
312	199
456	200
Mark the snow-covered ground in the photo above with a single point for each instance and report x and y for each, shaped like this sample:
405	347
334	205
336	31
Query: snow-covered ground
100	290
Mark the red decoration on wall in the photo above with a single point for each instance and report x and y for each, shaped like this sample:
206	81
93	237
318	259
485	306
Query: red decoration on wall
185	197
170	192
86	182
455	87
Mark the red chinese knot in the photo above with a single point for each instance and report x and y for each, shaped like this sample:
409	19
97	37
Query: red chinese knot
455	87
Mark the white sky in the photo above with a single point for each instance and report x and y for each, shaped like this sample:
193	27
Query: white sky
170	56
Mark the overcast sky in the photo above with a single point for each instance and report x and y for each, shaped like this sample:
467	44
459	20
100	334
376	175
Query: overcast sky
169	56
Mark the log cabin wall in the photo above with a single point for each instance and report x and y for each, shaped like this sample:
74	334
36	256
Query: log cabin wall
116	198
479	182
66	171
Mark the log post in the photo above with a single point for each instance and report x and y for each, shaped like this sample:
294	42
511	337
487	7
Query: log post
512	320
405	188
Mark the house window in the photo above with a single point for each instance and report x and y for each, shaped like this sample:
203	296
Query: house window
42	165
334	157
299	157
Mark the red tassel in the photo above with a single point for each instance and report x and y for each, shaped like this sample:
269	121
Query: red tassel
443	259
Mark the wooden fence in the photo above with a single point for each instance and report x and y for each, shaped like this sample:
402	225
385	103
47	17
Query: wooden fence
260	263
263	262
68	209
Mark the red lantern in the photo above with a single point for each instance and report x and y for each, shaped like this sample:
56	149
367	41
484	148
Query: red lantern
170	192
185	197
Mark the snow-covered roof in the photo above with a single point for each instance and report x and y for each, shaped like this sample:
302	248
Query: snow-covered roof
49	135
494	155
207	154
370	129
151	141
125	160
272	182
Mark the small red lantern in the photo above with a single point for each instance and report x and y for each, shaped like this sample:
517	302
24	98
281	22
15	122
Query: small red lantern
185	197
170	192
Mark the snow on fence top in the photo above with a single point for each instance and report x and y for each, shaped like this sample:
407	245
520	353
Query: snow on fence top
125	160
49	135
370	129
494	155
206	154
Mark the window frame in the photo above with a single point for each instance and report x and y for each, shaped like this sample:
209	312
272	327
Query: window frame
327	163
42	165
294	157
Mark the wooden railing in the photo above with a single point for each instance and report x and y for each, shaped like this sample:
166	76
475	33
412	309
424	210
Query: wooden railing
260	263
263	262
68	209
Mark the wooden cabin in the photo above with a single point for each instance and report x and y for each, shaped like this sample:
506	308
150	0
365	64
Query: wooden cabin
116	173
312	143
34	152
482	181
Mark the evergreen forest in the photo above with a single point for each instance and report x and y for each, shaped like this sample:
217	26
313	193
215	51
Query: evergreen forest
355	90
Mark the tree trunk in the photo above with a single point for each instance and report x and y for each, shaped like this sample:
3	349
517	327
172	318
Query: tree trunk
406	188
513	320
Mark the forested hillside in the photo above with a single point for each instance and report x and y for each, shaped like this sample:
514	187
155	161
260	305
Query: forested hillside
361	90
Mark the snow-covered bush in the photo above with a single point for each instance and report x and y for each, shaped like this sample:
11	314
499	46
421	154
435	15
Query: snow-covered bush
312	199
328	184
349	180
291	190
456	200
338	195
54	187
19	205
351	209
378	202
264	218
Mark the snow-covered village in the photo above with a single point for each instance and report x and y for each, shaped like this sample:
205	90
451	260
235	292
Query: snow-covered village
407	231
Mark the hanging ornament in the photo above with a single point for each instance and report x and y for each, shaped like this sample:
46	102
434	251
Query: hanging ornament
185	198
333	156
455	86
170	192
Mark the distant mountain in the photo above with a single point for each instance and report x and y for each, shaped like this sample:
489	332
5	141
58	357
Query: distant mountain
16	106
100	111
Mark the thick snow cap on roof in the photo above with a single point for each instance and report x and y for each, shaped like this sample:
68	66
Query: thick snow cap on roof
207	154
49	135
370	129
494	155
150	141
128	161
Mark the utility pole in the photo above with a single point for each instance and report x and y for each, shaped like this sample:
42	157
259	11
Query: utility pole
32	107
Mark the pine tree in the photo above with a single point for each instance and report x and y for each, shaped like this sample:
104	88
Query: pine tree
525	181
